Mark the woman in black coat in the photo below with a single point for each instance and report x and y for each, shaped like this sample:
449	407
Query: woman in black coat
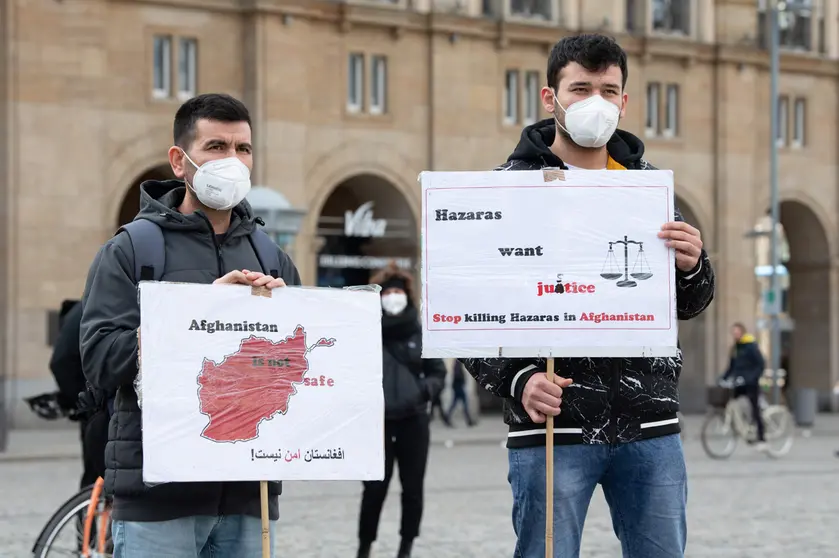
410	383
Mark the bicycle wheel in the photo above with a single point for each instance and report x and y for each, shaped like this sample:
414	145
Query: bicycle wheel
779	430
719	440
62	535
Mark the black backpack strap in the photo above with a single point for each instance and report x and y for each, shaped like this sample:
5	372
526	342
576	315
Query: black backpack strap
267	252
149	249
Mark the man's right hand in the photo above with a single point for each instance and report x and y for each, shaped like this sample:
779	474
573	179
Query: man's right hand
541	398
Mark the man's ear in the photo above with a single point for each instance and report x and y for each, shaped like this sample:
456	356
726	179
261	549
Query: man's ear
547	96
177	161
624	101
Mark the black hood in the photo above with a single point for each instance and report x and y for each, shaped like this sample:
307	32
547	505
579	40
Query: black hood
536	139
159	201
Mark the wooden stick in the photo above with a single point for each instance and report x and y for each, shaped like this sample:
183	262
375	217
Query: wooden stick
549	475
266	533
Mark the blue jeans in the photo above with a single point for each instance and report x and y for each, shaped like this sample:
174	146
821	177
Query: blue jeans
230	536
645	484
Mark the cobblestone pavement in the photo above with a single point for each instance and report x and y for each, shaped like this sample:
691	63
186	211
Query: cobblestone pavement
749	506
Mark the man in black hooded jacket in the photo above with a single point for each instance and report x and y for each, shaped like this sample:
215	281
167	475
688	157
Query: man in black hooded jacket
618	425
207	225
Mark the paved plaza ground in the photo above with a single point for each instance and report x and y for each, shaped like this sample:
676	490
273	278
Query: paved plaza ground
749	506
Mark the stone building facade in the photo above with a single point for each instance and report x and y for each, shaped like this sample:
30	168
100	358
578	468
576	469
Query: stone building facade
353	99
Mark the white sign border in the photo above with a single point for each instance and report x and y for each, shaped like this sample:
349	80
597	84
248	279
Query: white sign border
461	180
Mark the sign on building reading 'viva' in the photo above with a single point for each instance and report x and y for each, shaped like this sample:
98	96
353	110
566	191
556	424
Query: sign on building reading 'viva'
360	222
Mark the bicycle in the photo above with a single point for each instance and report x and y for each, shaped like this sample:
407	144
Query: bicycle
86	513
730	419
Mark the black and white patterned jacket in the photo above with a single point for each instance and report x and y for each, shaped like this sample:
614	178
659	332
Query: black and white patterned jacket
612	400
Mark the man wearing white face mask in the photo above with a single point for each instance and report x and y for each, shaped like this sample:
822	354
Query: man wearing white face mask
410	383
616	420
198	229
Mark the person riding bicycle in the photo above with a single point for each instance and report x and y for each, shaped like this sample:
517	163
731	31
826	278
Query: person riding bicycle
744	370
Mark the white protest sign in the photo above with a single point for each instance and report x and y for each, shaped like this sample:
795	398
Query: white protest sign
547	263
239	387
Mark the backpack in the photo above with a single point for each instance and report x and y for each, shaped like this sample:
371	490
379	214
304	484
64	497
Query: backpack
150	256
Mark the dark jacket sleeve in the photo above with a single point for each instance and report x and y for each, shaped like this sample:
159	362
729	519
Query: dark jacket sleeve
288	271
435	376
695	288
503	377
110	317
755	365
66	360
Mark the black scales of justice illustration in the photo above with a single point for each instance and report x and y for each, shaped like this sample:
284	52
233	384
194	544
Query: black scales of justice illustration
640	269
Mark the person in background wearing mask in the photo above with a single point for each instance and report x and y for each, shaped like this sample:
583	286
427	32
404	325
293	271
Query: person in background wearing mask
206	225
410	383
618	426
744	371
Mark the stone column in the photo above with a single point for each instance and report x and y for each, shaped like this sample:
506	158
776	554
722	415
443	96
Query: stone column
253	62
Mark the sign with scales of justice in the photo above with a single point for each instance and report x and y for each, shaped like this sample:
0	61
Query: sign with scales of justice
492	243
643	272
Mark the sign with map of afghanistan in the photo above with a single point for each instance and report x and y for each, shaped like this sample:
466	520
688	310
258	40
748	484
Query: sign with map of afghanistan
237	384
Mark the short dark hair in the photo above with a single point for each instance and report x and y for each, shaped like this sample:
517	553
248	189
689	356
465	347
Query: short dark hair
592	51
740	326
210	106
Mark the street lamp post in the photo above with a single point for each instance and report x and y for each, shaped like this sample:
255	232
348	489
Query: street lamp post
775	306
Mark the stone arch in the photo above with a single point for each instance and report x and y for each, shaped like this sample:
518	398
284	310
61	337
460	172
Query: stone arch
807	301
130	202
693	338
349	160
130	160
363	223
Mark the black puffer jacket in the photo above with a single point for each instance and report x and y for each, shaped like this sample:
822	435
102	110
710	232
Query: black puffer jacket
110	318
612	400
409	381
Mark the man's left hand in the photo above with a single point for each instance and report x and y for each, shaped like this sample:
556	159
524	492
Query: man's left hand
258	279
686	240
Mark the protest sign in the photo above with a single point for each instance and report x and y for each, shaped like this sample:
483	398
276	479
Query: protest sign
238	387
547	263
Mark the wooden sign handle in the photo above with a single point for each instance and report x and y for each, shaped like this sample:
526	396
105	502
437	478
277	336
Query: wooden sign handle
266	533
549	475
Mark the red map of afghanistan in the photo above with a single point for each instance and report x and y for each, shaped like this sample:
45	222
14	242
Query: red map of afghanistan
252	384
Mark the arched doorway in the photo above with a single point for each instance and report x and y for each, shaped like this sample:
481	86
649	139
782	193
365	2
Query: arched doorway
805	346
365	223
692	383
131	201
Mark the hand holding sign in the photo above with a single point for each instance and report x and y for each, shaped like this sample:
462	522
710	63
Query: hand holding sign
542	397
687	242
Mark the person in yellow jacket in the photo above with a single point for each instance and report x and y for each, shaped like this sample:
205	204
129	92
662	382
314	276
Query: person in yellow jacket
745	369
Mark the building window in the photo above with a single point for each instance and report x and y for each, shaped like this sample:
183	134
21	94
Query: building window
799	129
378	84
355	82
794	23
531	97
783	115
161	67
671	111
671	16
635	16
541	10
187	68
511	97
652	127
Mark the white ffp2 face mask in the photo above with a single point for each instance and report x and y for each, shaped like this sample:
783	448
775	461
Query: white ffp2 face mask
221	184
590	122
394	303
